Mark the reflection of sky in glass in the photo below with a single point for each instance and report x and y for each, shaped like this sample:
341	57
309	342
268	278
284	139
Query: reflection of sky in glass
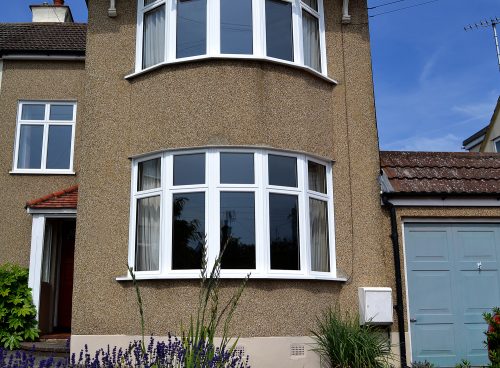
59	147
282	171
238	212
191	28
279	39
61	112
33	112
236	168
236	27
189	169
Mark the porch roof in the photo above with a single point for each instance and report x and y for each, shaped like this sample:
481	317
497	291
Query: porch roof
66	198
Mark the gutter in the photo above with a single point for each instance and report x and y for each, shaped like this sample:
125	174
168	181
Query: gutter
399	280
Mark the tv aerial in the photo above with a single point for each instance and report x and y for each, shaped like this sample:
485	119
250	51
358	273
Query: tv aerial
487	24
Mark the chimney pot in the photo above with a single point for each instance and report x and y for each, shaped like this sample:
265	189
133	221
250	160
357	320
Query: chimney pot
58	2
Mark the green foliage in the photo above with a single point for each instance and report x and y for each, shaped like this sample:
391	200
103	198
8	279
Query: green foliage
210	316
463	364
493	336
424	364
17	312
343	343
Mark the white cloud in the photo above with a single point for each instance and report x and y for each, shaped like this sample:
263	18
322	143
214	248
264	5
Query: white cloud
447	143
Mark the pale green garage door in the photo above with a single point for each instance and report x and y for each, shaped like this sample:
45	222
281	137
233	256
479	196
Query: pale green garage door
452	273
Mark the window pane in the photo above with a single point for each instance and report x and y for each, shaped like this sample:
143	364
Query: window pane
191	28
236	168
284	231
147	2
497	146
236	36
61	112
237	230
59	147
317	177
30	147
320	252
312	3
279	33
147	244
149	174
153	48
189	169
188	230
33	112
282	171
310	31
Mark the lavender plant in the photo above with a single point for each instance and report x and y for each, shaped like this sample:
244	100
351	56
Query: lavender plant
158	354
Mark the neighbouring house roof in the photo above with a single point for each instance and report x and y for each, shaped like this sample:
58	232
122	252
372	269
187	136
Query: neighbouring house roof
475	136
440	172
43	38
66	198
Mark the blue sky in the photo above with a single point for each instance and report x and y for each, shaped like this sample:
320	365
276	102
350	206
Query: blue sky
435	84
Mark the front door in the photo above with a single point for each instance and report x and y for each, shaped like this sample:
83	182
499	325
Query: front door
453	277
65	293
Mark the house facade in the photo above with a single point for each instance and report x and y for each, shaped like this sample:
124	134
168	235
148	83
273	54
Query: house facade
250	123
488	138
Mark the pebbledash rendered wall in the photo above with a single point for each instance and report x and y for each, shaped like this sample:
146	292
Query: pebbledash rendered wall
30	80
224	102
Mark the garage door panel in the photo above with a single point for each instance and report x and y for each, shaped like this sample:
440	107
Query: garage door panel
435	342
448	292
475	348
432	298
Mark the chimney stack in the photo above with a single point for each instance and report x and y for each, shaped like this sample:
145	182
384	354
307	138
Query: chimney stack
51	13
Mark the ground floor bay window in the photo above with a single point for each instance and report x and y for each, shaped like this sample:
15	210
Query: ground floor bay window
271	210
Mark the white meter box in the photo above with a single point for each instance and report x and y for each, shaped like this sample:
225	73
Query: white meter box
375	305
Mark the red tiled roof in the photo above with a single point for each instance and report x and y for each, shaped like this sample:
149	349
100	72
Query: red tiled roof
441	172
43	38
67	198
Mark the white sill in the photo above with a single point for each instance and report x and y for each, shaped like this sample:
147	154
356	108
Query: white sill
42	172
236	57
196	276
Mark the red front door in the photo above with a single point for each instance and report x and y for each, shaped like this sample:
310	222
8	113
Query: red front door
66	277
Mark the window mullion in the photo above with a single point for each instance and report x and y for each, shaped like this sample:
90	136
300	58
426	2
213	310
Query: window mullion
45	139
322	38
171	17
212	208
297	32
167	222
259	32
133	217
140	37
213	27
331	221
303	215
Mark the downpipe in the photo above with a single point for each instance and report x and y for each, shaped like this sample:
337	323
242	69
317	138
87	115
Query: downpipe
399	281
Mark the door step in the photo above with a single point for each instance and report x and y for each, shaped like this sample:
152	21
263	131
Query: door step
53	347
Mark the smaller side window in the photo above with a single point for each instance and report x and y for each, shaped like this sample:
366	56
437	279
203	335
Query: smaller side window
497	145
44	139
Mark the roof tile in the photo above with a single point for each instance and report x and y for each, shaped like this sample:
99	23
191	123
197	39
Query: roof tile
66	198
442	172
52	38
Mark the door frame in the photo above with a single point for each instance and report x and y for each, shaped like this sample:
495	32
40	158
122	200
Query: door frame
430	220
39	219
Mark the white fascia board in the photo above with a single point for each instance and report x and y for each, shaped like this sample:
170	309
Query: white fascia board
446	202
474	143
57	212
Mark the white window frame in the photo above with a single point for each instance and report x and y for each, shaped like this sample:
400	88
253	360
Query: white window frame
495	141
46	123
212	189
213	35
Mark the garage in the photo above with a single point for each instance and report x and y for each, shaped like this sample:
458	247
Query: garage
452	278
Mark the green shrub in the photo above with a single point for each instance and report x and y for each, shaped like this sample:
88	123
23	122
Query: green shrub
343	343
17	312
424	364
493	336
463	364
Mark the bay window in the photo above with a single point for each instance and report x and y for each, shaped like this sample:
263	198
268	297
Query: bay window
286	31
270	211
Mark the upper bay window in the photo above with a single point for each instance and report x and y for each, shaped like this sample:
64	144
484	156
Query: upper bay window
272	210
45	138
289	31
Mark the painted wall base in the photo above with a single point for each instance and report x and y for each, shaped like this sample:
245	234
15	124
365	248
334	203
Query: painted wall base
275	352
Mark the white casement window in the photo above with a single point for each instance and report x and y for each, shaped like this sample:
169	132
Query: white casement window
496	142
45	138
272	210
285	31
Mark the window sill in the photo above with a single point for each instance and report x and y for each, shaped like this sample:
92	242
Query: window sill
196	276
42	172
234	57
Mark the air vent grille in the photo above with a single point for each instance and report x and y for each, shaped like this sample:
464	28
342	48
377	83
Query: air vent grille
297	350
239	350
